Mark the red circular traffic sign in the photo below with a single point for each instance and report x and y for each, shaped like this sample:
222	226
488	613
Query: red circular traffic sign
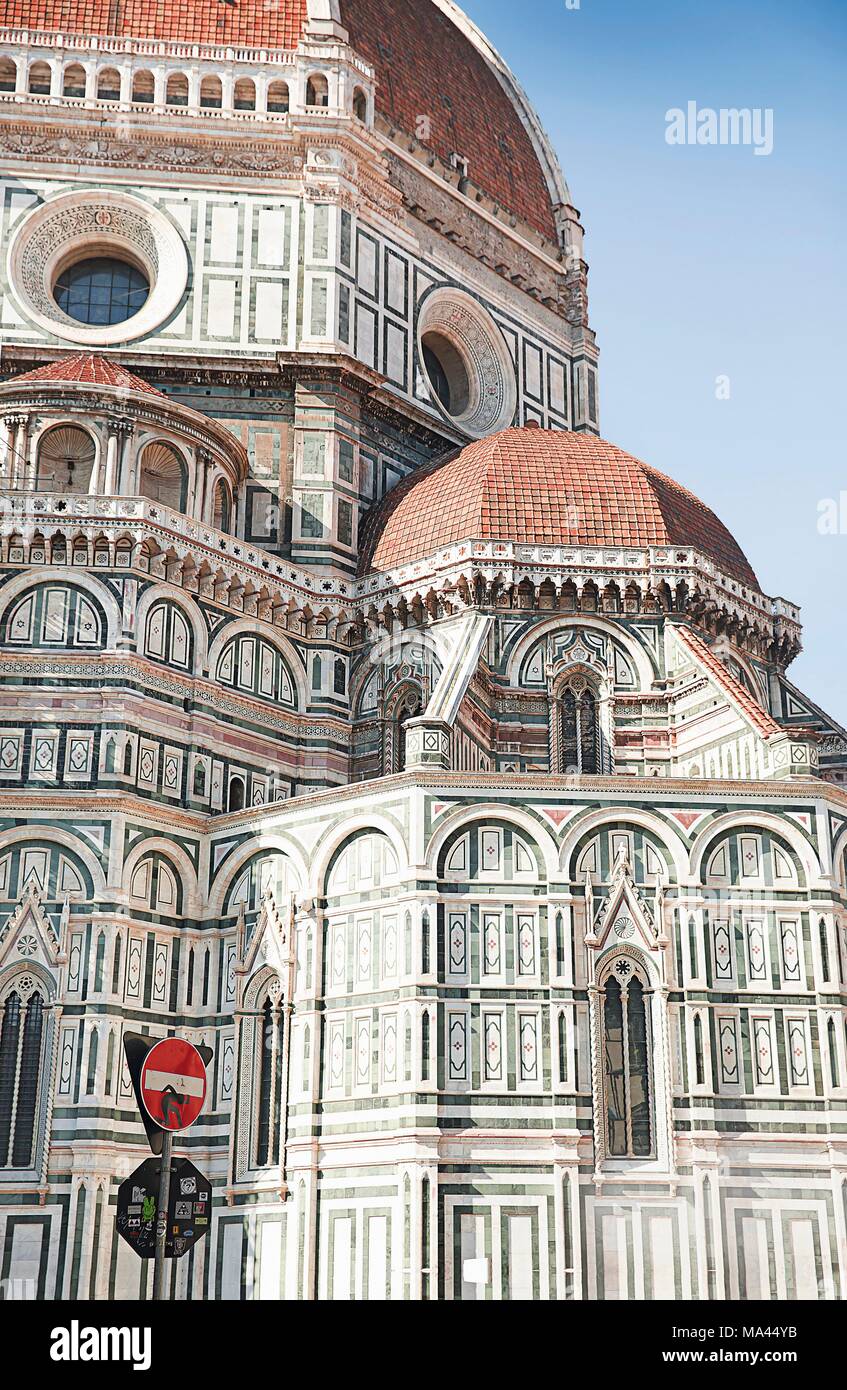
173	1083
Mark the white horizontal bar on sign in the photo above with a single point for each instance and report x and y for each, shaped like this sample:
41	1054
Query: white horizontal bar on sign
184	1085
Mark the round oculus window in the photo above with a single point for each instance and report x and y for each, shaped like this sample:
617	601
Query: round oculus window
466	370
101	290
97	267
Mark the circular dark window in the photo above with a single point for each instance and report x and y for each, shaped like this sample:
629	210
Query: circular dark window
101	290
446	373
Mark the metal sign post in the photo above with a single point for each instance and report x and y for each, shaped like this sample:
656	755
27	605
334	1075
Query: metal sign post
162	1217
169	1079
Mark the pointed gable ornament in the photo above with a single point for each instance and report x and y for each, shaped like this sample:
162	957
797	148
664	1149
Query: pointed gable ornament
625	915
28	933
267	944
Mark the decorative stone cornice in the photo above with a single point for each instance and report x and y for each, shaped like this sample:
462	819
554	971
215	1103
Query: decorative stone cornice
220	567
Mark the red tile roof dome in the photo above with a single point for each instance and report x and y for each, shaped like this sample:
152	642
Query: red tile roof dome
90	369
430	62
542	487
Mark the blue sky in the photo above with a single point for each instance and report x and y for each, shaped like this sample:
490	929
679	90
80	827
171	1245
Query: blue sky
713	261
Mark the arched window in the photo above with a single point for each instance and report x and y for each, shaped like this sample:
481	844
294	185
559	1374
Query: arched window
8	75
143	88
109	85
236	795
317	90
157	885
211	92
221	507
626	1050
21	1059
255	667
73	81
244	96
278	98
269	1078
65	460
168	636
264	873
360	105
39	79
176	92
162	476
579	738
54	615
406	705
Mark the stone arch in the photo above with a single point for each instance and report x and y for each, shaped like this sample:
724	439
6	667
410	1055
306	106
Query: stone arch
641	658
154	594
108	84
143	86
176	90
36	832
507	815
163	474
179	861
38	78
258	983
67	453
94	588
278	98
211	91
664	831
279	842
333	839
73	80
247	628
753	820
10	975
317	89
244	94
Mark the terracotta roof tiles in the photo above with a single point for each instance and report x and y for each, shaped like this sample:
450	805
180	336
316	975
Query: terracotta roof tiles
426	70
90	368
758	716
253	22
543	487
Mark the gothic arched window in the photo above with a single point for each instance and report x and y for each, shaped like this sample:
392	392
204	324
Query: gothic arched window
269	1081
21	1055
407	705
626	1048
579	729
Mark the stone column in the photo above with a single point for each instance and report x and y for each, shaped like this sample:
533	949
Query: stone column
202	465
98	471
31	464
125	428
20	447
111	458
6	451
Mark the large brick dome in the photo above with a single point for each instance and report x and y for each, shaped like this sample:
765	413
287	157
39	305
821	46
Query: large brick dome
437	78
543	487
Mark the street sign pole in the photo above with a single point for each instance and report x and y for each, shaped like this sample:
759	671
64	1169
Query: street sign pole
162	1217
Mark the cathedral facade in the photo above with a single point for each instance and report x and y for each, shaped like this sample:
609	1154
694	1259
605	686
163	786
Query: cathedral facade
370	719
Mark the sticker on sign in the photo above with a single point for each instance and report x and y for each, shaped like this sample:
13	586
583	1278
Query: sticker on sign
173	1083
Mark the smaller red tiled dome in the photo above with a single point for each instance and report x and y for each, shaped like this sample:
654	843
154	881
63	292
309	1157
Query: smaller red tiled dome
543	487
90	369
